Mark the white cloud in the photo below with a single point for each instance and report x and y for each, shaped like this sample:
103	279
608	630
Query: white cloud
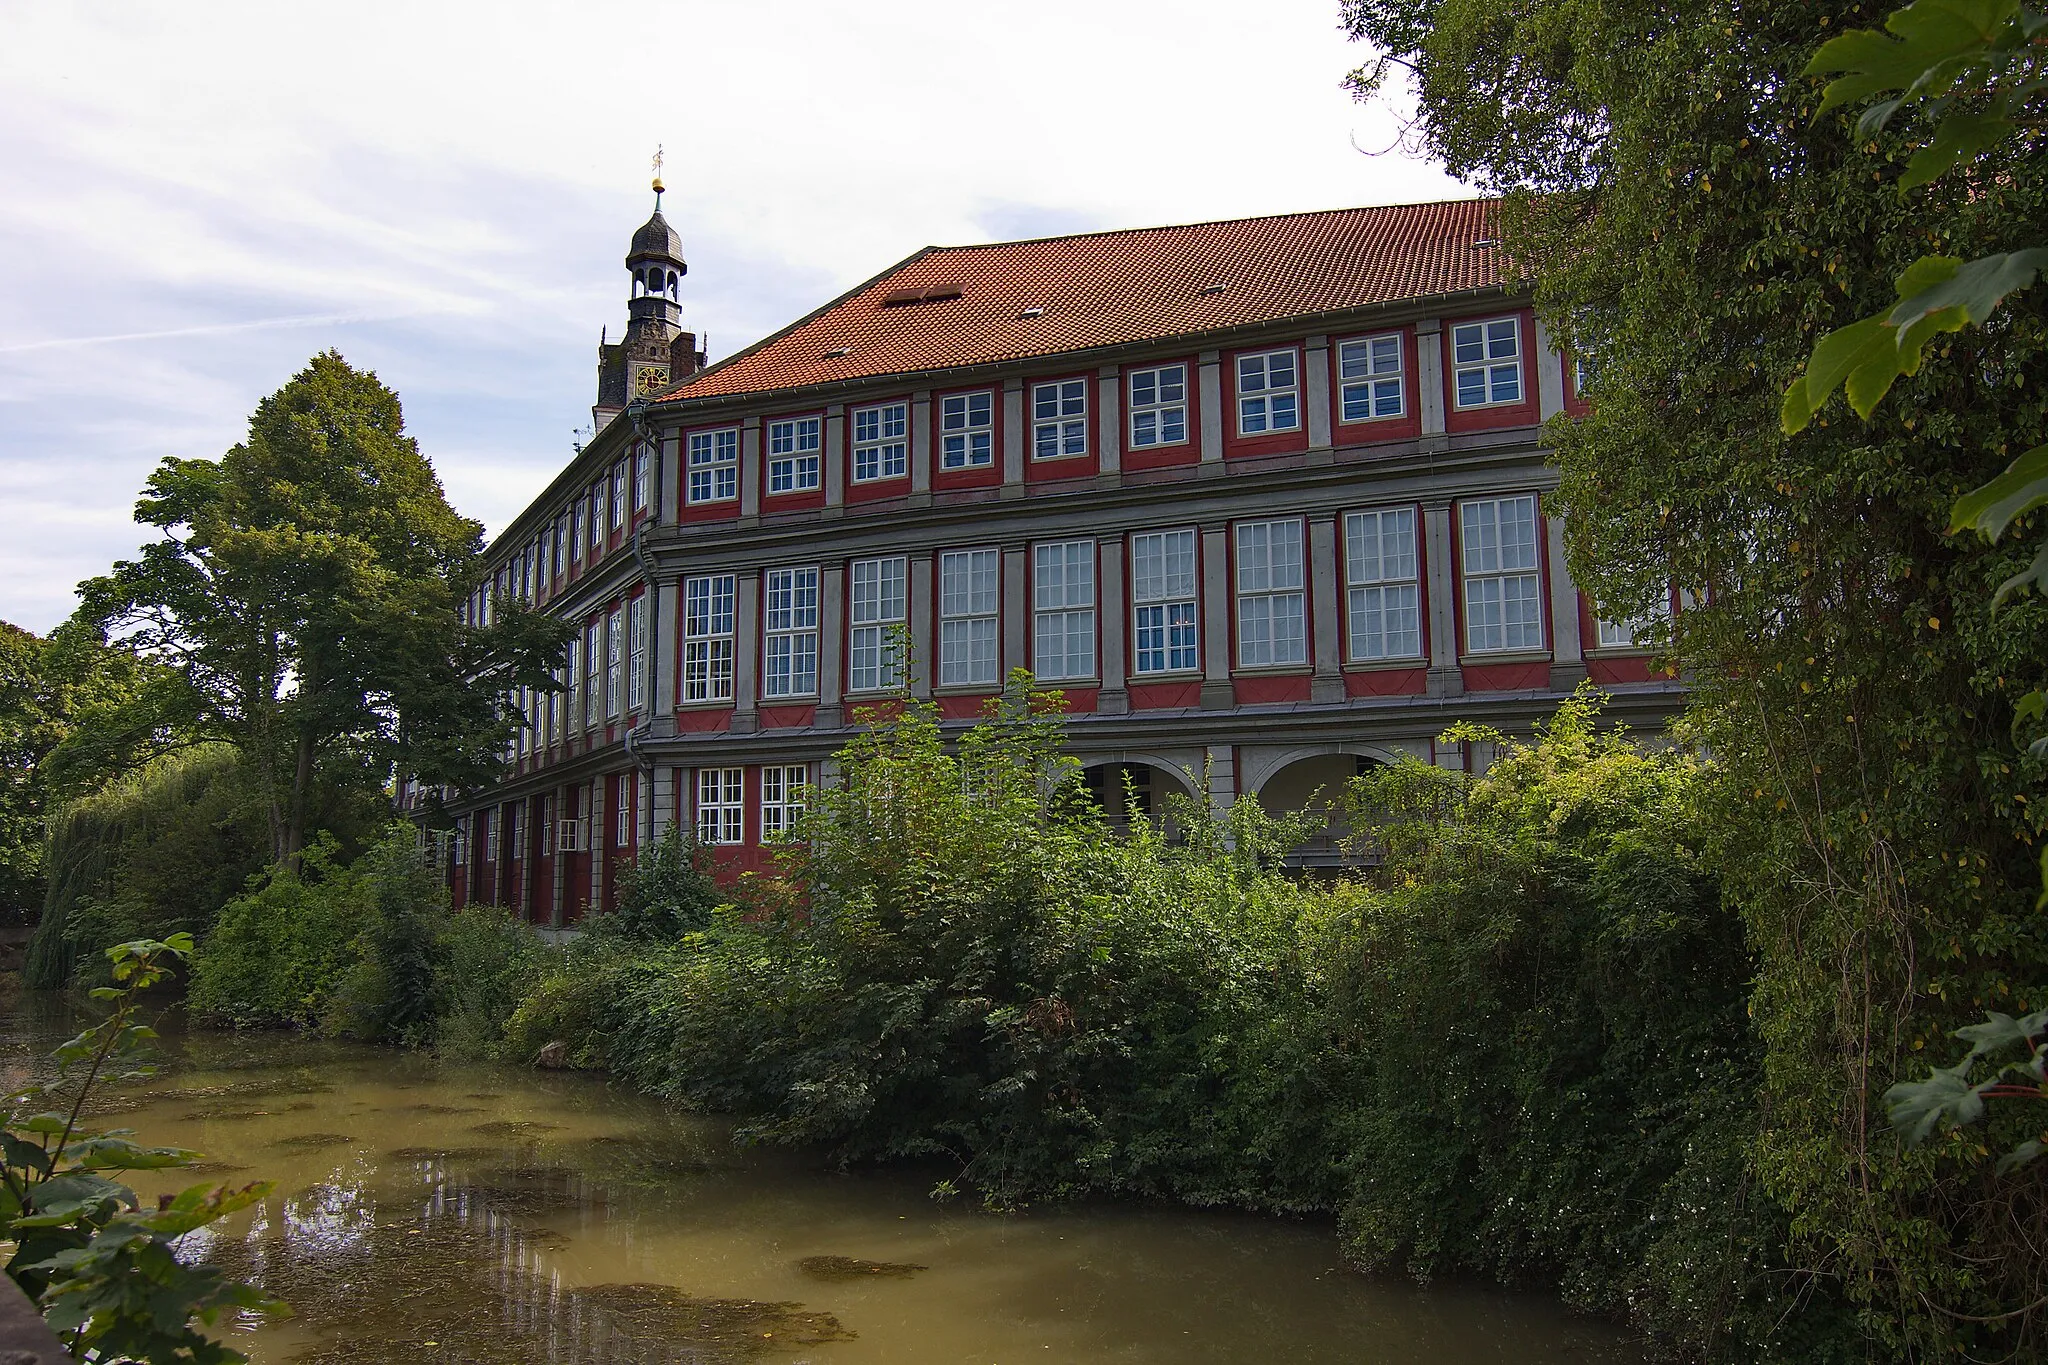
201	196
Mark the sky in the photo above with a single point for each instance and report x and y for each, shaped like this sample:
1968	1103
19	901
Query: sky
196	198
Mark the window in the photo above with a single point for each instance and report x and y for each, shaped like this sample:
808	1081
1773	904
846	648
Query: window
1159	406
1063	610
1369	377
1059	419
1634	632
563	531
574	678
879	451
596	518
622	810
782	798
1383	590
968	603
791	627
715	465
643	478
615	664
966	430
576	530
1503	591
489	827
1272	617
1486	362
1582	374
721	808
707	638
636	657
793	455
593	672
876	657
1268	393
618	497
1163	601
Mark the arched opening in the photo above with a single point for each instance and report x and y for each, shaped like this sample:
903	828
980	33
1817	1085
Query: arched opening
1315	785
1125	791
672	284
654	279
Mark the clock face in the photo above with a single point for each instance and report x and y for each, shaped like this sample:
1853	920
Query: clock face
650	380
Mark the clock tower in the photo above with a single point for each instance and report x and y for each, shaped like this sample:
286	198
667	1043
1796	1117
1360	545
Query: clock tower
656	354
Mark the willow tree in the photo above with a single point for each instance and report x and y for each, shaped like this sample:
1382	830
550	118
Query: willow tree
1694	223
304	598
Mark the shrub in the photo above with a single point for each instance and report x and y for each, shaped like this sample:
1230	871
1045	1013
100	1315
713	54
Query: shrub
276	955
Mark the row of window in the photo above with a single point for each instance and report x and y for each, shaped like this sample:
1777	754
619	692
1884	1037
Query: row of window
603	678
1500	552
1372	385
574	535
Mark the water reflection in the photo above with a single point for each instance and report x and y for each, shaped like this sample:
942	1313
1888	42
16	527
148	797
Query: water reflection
438	1212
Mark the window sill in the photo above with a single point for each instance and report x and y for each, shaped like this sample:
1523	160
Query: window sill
725	705
793	699
1507	656
1300	670
987	689
1064	682
1177	675
1384	665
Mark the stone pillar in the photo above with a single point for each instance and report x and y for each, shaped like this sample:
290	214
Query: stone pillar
831	646
1111	633
661	802
668	475
751	470
1326	610
921	448
1109	423
918	616
597	841
1567	657
1222	772
746	631
1315	392
664	643
1214	617
1429	380
558	881
1445	678
1016	610
1208	402
1016	442
832	456
1549	375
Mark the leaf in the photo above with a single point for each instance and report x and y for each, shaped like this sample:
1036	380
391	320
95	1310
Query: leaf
2001	1030
2019	1156
1916	1107
1961	137
1989	510
2034	575
1976	288
1935	40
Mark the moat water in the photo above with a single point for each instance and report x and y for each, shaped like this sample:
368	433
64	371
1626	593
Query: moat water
430	1211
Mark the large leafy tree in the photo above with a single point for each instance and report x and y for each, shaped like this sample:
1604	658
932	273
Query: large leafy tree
1694	223
304	601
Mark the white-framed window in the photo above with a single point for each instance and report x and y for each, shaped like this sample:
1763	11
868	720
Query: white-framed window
595	520
1272	605
593	673
789	623
1383	585
1371	378
1059	419
622	810
1268	392
967	430
562	533
969	600
1486	362
572	677
721	805
1063	610
708	637
490	835
715	465
643	478
636	653
615	663
874	656
1163	602
618	495
1503	587
783	789
576	530
793	446
880	446
1633	632
1159	406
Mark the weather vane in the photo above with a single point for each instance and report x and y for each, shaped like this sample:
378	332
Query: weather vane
657	176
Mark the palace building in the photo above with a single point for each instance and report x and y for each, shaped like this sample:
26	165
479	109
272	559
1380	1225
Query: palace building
1266	498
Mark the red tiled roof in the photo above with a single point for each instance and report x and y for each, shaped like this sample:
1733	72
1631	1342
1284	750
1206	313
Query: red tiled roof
1110	288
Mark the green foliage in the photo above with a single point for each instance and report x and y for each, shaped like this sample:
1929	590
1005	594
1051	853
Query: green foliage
1692	228
104	1270
668	892
304	602
151	854
393	991
490	961
1947	1098
276	955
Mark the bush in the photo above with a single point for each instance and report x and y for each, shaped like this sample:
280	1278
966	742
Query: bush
276	955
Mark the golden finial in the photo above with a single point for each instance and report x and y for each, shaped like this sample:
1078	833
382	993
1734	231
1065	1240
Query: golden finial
657	175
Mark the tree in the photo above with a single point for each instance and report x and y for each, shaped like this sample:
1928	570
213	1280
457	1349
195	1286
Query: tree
304	600
1692	229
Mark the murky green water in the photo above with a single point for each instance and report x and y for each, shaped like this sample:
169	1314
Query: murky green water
435	1212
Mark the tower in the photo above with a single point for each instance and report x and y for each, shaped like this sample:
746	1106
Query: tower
655	354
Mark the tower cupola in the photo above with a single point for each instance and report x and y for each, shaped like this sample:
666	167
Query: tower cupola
655	353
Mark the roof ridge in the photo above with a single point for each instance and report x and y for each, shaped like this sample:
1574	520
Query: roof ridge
1204	222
